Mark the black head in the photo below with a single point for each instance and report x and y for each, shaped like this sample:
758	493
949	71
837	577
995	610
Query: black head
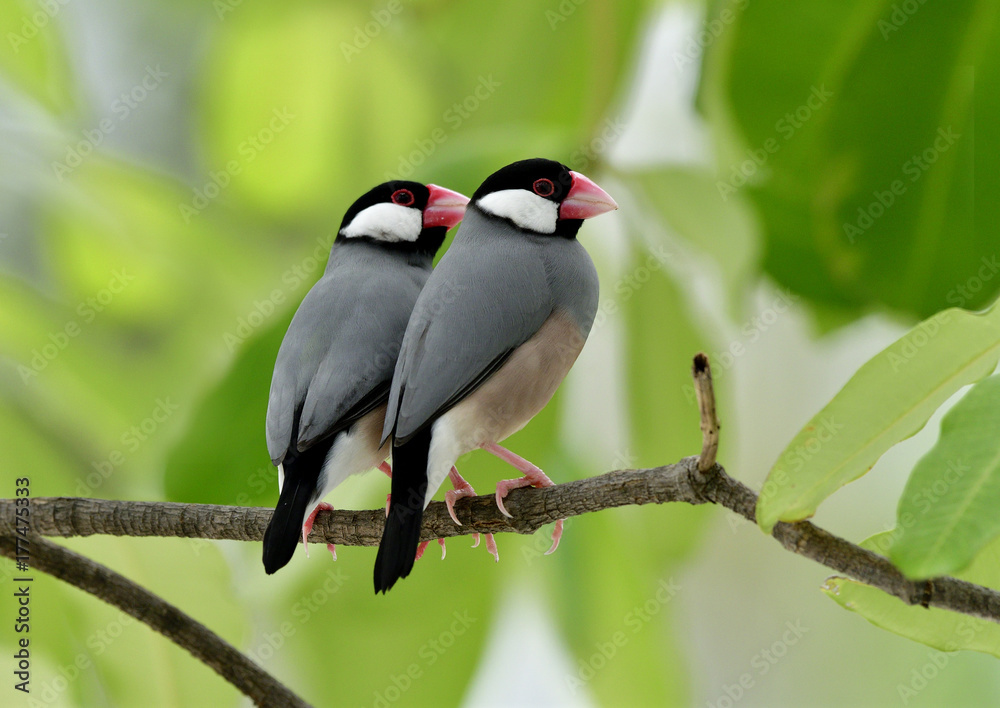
542	196
403	215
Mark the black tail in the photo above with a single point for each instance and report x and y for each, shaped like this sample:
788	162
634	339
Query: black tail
285	528
398	548
302	472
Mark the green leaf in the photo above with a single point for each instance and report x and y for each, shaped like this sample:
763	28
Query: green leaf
941	629
947	512
889	399
223	458
850	124
686	201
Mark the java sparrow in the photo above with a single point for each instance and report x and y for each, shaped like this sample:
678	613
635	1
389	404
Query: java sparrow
494	331
331	378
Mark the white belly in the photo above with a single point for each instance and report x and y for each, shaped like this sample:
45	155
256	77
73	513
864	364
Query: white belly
354	452
507	400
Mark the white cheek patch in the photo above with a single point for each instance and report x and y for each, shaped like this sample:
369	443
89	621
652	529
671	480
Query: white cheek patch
386	222
529	211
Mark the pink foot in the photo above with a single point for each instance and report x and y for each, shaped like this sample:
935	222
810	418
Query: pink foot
423	546
463	489
533	477
308	525
384	467
491	547
556	537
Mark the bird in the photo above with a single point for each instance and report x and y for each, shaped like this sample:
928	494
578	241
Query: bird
496	328
332	373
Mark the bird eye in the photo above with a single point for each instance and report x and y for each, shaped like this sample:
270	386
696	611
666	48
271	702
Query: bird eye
403	197
543	187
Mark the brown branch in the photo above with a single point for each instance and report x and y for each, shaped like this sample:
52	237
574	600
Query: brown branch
166	619
693	480
702	373
532	509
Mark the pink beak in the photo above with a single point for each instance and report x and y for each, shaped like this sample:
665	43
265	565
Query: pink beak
444	207
585	199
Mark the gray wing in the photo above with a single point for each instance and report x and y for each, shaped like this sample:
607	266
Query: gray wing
337	358
475	309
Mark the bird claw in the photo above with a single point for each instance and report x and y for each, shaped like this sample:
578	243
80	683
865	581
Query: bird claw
499	496
450	498
308	525
504	487
533	476
491	544
463	489
556	537
423	546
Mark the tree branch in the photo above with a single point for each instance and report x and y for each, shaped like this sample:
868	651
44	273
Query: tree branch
532	509
134	600
692	480
702	374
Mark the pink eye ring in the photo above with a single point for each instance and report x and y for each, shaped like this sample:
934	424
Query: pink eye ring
402	197
543	187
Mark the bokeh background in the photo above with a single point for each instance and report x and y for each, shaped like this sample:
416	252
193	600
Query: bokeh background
799	184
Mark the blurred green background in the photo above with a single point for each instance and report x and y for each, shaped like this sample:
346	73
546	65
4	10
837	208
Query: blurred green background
799	183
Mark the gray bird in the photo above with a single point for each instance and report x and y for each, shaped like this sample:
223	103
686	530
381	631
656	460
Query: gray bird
331	378
495	330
